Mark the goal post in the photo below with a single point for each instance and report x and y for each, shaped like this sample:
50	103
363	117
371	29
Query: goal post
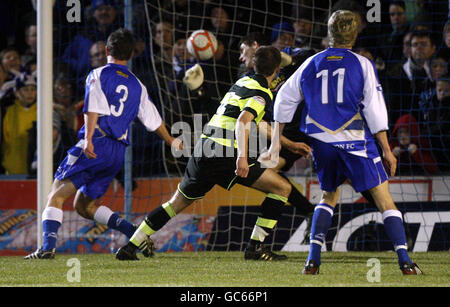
128	162
45	107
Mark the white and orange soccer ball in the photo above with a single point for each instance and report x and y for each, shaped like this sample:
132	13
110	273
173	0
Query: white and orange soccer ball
202	44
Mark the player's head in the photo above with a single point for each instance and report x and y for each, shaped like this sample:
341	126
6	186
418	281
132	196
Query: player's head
120	44
267	60
248	46
342	28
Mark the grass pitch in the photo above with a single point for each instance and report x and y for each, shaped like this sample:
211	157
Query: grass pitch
222	269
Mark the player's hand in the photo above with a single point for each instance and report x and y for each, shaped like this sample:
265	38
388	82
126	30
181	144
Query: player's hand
391	161
193	77
176	144
88	150
300	149
242	167
286	59
269	159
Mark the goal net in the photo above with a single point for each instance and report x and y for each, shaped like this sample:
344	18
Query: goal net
422	183
224	220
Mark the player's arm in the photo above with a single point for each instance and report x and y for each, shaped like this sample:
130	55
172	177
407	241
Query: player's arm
278	131
95	104
289	97
296	56
151	119
270	158
242	132
90	123
253	109
387	152
375	113
299	148
266	129
162	132
286	103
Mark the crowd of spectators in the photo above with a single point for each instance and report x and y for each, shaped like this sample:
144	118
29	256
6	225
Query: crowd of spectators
409	48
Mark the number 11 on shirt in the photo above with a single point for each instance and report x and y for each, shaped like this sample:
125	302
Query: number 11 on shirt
340	84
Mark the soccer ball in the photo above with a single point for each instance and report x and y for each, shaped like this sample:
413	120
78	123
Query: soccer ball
202	44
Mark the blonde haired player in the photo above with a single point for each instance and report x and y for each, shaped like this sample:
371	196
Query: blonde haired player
344	115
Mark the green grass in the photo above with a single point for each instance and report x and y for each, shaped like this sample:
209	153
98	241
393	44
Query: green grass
223	269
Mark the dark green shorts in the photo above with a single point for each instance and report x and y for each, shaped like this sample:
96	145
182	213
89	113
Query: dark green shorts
202	173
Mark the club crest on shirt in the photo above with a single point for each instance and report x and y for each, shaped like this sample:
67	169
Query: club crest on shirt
120	73
334	58
260	100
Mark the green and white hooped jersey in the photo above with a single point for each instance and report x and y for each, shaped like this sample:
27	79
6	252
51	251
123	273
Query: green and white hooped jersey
250	94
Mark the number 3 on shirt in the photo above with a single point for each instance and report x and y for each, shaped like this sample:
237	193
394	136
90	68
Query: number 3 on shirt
121	88
340	84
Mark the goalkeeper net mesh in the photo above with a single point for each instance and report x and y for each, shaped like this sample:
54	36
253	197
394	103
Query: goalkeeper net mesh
223	220
230	216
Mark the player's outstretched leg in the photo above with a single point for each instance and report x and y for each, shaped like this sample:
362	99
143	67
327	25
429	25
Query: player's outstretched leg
52	218
154	221
277	190
105	216
393	224
89	209
151	224
302	206
270	212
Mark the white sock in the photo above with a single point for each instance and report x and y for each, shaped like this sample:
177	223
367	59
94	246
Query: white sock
52	213
102	215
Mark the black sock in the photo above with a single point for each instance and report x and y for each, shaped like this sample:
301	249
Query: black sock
302	205
271	209
154	221
157	218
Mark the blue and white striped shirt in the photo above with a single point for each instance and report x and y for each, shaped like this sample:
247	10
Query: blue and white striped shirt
118	97
344	103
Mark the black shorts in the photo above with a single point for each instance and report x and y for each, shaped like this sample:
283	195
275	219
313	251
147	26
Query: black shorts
202	173
290	158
